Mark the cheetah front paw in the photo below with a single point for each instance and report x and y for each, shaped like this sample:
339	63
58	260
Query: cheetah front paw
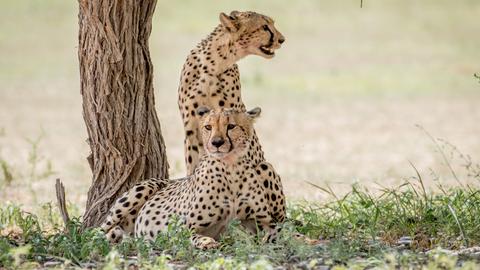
115	235
206	242
307	240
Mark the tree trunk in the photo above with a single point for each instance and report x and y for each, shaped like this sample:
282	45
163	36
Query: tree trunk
116	75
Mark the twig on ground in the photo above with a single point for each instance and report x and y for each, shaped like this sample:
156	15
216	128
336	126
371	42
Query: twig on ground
62	205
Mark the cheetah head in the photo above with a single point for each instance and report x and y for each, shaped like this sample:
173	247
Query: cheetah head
226	133
253	33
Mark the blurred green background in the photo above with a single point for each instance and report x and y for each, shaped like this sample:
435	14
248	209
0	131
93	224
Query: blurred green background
340	99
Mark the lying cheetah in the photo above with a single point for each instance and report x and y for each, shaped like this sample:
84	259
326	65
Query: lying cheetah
211	78
225	185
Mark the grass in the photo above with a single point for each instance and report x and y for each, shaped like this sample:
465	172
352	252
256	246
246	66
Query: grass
449	219
344	76
403	226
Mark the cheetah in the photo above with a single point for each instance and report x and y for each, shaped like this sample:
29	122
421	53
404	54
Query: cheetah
210	75
225	185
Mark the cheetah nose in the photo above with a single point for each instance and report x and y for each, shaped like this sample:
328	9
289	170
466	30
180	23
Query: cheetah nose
217	142
281	40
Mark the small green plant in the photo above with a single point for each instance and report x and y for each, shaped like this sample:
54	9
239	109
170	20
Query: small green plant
113	261
175	241
35	160
6	259
23	229
6	175
39	168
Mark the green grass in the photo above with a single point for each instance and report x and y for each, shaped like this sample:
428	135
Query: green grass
368	67
448	219
358	229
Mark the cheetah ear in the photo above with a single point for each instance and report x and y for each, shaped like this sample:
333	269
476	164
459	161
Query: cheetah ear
230	22
203	111
254	113
234	14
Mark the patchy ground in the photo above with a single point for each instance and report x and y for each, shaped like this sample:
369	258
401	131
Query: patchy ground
340	100
403	227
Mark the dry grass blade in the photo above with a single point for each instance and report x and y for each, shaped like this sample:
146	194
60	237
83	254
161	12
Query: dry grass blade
420	180
460	227
440	150
328	190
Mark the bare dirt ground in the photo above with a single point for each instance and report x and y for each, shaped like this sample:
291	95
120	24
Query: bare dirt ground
340	101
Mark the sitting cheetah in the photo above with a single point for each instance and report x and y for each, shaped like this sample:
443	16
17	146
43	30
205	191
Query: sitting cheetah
210	77
225	185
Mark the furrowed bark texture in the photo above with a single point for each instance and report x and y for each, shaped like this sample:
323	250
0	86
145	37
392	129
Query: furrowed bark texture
116	75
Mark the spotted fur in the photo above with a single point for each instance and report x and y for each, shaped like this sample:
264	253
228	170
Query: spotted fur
210	75
225	185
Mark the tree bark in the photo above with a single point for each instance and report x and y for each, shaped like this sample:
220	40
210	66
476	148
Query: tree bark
116	82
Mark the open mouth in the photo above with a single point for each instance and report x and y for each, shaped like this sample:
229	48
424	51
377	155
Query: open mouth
267	50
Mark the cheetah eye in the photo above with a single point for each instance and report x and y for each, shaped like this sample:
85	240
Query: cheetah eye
231	126
265	27
208	127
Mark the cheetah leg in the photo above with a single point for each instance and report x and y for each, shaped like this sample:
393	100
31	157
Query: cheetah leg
273	234
271	231
203	242
115	234
124	211
193	140
193	147
273	187
306	239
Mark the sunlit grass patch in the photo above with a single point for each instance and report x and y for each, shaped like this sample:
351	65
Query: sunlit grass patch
449	219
